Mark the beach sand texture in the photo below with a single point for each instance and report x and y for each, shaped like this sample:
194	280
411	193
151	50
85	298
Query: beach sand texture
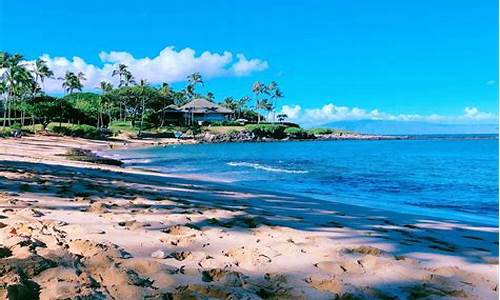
73	229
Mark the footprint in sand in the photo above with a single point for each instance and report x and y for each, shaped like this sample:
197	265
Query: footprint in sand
248	258
223	276
87	248
181	230
328	284
180	256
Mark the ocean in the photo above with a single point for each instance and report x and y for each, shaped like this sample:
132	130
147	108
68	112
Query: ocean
445	177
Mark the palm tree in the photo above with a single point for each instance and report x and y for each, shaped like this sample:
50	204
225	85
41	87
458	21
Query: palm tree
3	93
126	79
125	76
105	88
72	82
241	103
210	96
230	103
6	65
266	105
282	117
166	92
143	84
193	80
41	71
18	82
259	89
276	94
81	76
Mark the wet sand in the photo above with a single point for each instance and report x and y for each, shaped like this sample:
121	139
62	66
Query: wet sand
72	229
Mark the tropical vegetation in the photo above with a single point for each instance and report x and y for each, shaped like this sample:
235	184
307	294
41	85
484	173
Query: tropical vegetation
133	105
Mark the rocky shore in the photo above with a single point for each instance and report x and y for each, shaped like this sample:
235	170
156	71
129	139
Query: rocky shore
246	136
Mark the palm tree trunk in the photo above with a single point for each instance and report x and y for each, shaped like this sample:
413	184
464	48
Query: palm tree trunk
142	117
9	115
4	113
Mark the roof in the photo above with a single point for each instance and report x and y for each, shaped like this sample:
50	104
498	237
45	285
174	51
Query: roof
171	108
204	106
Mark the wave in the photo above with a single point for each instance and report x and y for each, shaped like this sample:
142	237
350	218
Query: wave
265	168
133	161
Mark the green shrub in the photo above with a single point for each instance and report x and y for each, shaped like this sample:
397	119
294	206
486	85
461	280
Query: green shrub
224	123
320	131
84	131
16	126
5	132
233	131
267	130
297	133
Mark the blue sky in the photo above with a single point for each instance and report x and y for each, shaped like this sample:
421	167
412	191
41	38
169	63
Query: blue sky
386	58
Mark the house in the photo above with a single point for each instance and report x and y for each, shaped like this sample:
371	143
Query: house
202	110
196	111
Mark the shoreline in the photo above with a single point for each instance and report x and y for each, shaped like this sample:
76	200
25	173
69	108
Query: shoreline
169	224
430	213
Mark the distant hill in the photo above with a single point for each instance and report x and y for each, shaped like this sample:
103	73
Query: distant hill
411	127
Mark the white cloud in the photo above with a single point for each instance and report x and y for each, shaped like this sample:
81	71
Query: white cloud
329	113
169	66
245	67
474	114
291	112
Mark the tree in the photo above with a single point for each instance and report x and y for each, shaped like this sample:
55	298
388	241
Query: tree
166	93
241	104
134	96
210	97
126	79
259	89
85	107
41	71
72	82
104	101
125	76
282	117
18	83
142	85
266	105
230	104
276	94
194	80
46	108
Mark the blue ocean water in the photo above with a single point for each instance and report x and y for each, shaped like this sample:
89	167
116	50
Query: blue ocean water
449	177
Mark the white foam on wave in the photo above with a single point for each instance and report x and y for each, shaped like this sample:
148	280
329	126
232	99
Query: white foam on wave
265	168
137	160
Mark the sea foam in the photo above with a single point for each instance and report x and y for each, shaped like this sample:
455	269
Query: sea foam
266	168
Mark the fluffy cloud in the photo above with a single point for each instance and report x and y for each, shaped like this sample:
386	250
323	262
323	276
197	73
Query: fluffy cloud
244	67
474	114
169	66
330	113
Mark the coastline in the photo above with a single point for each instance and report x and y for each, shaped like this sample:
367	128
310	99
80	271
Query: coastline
253	238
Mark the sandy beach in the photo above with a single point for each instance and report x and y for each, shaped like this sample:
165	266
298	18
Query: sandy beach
71	230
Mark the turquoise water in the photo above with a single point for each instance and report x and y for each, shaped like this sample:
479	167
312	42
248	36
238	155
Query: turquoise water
449	178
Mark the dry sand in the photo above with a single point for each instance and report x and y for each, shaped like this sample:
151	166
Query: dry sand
74	230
